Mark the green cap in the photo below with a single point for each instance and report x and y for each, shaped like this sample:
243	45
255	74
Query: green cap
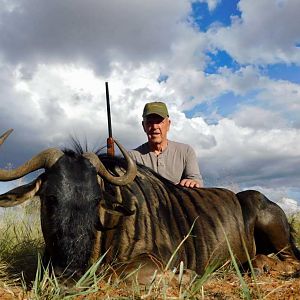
158	108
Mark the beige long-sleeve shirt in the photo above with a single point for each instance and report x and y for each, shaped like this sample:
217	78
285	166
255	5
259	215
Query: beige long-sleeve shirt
178	161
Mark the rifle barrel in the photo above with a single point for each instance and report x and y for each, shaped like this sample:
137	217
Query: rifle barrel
108	111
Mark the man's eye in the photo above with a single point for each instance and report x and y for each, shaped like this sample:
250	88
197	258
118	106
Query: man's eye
151	122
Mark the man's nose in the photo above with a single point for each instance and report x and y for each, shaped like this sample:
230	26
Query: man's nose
156	125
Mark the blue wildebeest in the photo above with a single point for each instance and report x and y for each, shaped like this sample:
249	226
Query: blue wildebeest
92	205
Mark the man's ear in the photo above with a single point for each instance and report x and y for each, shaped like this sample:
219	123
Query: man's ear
143	124
169	124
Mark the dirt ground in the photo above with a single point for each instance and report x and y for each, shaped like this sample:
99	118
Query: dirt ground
270	286
267	286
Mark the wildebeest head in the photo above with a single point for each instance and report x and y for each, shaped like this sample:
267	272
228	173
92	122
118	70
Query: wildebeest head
70	194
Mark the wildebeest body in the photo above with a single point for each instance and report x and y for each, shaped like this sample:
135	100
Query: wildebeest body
164	214
137	213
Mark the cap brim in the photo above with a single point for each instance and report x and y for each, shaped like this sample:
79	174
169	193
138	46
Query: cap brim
163	115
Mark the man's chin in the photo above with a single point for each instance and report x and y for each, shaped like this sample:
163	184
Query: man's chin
155	139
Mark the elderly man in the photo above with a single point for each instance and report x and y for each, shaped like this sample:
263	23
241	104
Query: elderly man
174	161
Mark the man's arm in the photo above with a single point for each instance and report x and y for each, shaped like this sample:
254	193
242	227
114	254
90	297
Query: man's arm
191	175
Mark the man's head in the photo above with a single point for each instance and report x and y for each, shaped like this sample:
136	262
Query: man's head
156	122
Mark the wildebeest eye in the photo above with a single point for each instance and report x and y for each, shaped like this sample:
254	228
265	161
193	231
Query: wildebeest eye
96	202
52	198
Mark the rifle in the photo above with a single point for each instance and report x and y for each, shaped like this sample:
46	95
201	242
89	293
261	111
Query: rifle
110	140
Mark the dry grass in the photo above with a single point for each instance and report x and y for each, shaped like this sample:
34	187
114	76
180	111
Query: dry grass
23	277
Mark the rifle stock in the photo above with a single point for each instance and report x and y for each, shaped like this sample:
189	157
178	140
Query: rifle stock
110	146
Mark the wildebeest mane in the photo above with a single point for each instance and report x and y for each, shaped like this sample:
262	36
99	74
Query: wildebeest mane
80	148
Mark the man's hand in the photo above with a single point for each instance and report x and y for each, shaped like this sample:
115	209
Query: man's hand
191	183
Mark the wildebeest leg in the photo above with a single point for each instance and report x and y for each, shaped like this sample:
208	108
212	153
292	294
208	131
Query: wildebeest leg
272	232
146	268
142	268
263	263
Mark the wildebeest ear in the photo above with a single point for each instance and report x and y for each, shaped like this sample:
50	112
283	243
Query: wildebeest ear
20	194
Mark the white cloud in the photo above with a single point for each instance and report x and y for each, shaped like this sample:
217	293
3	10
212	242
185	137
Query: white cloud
91	32
281	95
258	118
267	32
247	156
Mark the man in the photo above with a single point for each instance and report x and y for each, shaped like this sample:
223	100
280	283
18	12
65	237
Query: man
174	161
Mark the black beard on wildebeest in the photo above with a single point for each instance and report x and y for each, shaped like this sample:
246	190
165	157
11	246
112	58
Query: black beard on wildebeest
70	196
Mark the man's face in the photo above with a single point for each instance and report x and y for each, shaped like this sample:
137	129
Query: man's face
156	128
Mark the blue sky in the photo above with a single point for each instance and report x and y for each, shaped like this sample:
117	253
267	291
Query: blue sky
222	13
284	72
229	74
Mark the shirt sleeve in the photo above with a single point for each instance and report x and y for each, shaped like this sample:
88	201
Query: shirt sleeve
191	170
133	155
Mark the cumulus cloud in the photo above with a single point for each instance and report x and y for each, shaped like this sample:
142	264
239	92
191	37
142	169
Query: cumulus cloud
92	32
258	118
267	32
248	156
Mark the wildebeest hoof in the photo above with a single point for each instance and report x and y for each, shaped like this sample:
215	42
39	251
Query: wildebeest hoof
258	271
266	269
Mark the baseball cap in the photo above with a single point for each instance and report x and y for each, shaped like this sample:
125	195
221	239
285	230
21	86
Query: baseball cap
158	108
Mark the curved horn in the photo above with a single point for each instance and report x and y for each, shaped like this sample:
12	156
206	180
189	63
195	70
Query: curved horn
4	136
122	180
44	159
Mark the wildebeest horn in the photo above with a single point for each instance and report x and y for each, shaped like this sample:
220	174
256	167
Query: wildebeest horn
4	136
122	180
44	159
